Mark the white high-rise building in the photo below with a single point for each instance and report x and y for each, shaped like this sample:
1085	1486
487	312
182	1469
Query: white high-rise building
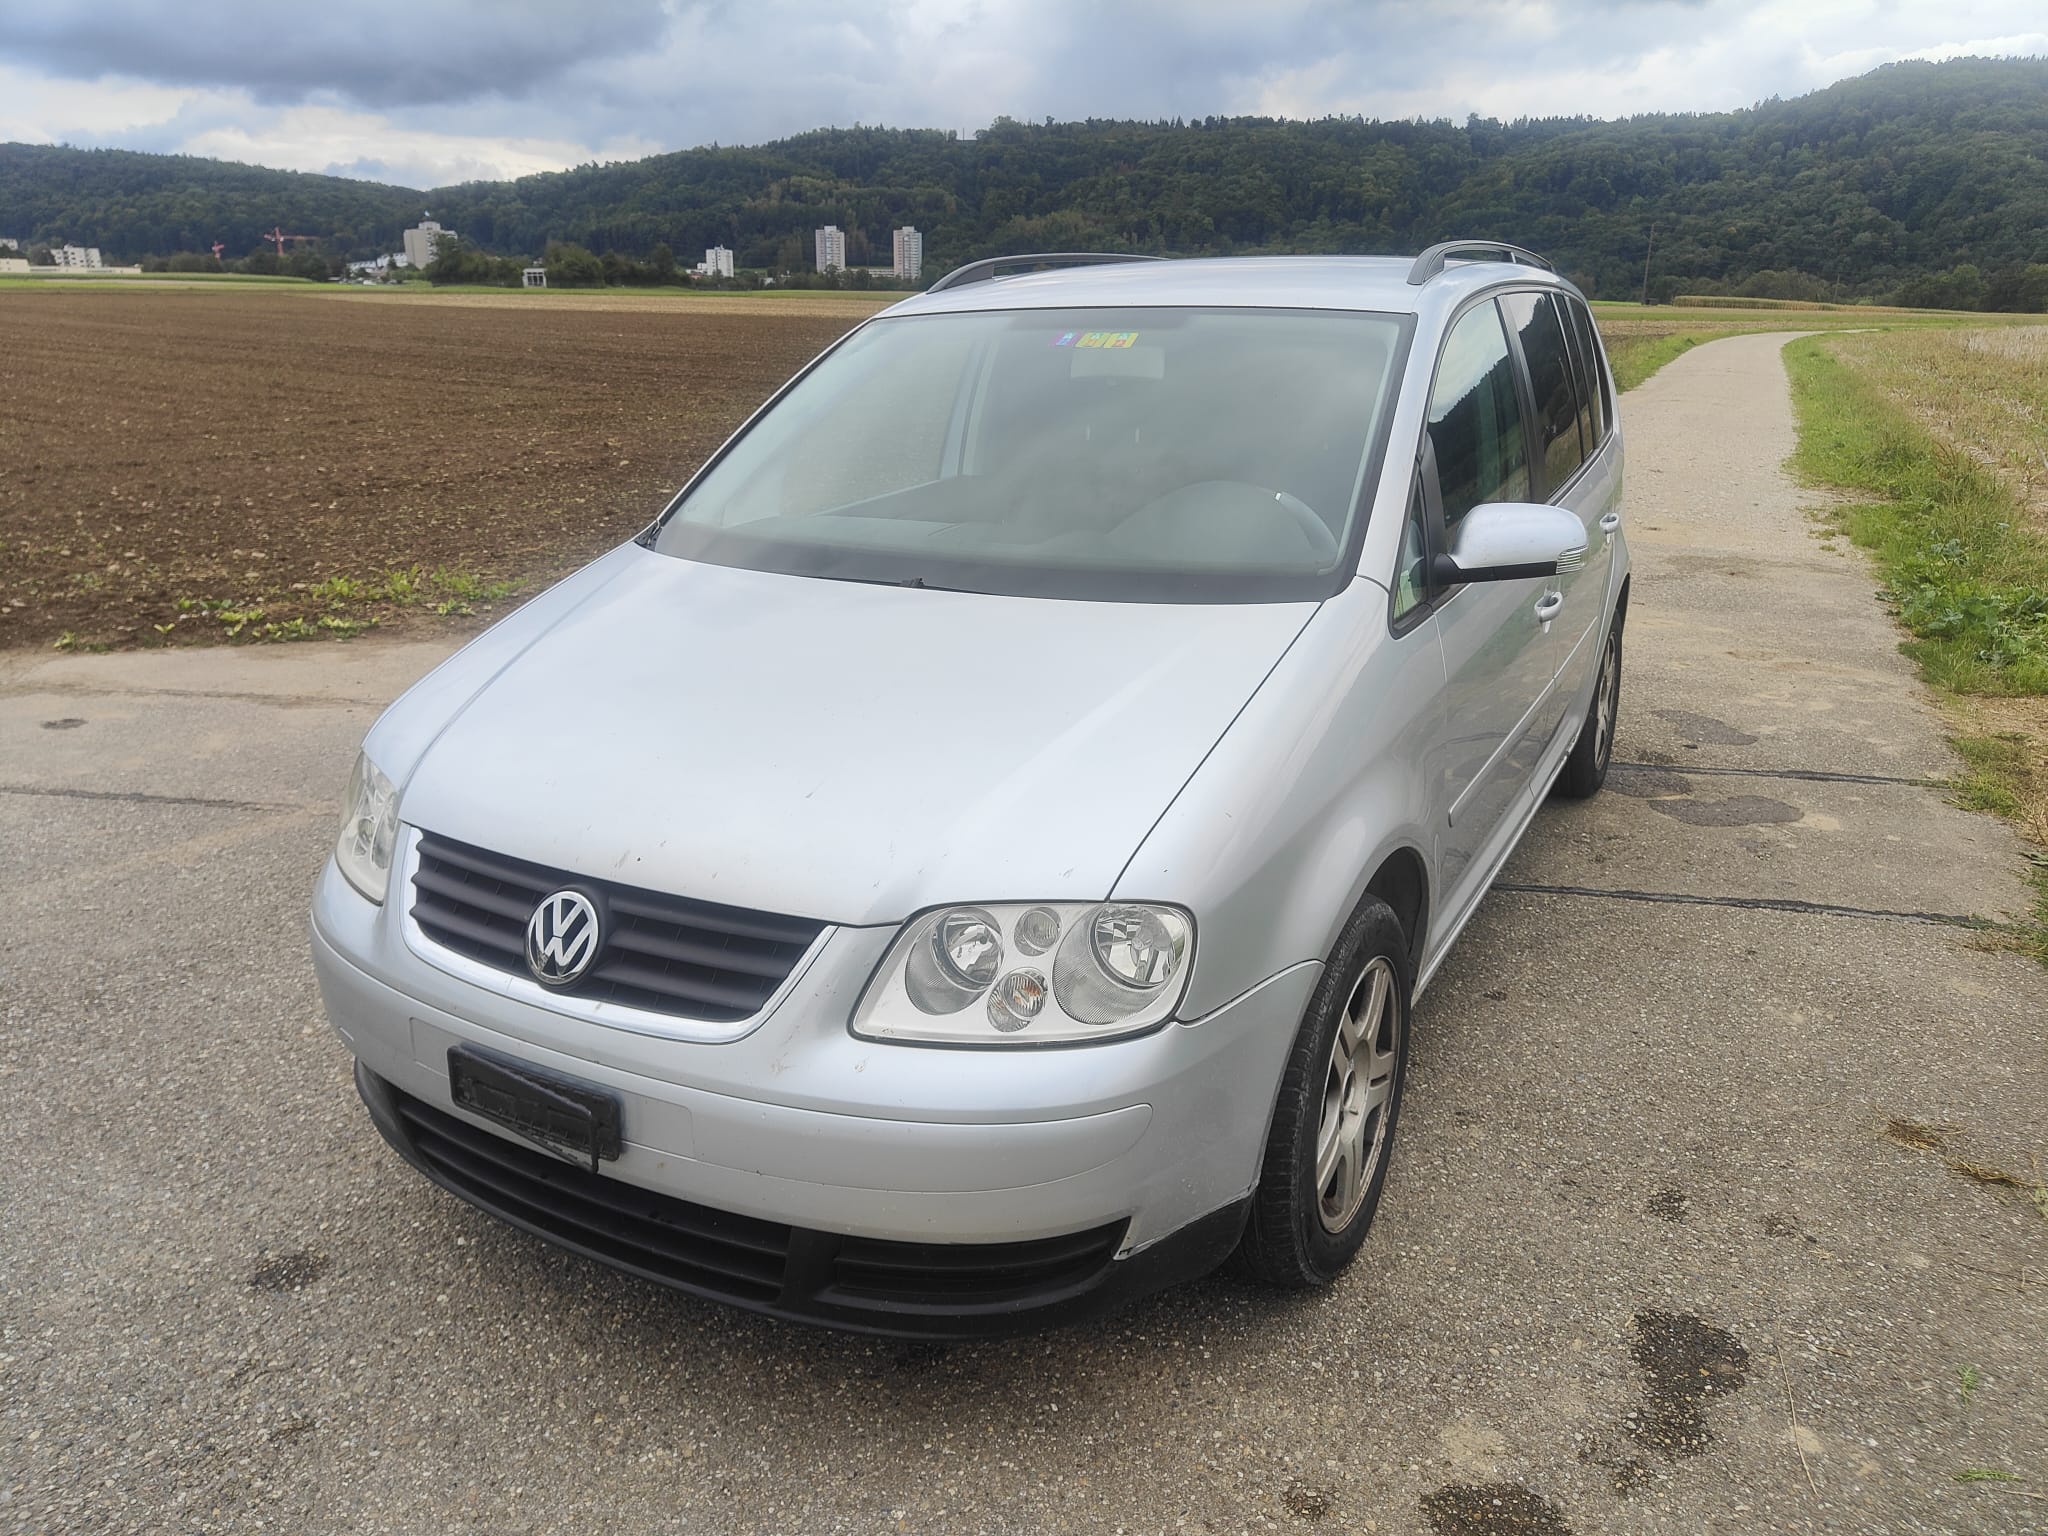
909	252
831	243
717	262
421	240
75	255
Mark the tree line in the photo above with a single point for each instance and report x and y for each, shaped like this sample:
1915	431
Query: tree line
1919	182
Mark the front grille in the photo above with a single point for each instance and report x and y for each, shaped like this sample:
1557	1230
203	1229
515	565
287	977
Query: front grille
666	954
859	1281
735	1257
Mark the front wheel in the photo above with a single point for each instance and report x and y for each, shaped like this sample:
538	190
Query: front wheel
1586	769
1333	1125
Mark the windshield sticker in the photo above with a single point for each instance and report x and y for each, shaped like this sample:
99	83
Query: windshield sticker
1096	339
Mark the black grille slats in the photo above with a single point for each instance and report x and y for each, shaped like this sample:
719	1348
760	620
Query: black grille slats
732	1256
666	954
744	1258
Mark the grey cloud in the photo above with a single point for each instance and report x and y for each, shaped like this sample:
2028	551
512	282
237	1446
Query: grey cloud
742	74
378	53
745	74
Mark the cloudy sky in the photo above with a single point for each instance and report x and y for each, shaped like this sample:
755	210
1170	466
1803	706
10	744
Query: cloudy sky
426	92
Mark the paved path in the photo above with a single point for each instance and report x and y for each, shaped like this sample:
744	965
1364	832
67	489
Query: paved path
1649	1263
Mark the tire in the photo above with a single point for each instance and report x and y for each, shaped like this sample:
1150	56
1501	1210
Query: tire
1586	769
1302	1230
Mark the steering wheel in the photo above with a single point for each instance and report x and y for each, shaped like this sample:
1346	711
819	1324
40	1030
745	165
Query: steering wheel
1232	518
1313	528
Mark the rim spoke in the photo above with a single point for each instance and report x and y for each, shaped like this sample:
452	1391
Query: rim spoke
1379	1091
1347	1174
1329	1149
1349	1029
1376	1007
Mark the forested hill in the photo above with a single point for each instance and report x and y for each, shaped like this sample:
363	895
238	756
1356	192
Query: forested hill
1864	187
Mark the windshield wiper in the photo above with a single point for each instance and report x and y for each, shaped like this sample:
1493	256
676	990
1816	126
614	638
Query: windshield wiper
887	581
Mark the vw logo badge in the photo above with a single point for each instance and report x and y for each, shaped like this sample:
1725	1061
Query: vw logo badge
561	938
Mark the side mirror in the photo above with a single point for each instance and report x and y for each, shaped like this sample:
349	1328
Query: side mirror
1512	541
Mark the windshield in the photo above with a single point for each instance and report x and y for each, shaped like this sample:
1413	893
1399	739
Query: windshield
1185	455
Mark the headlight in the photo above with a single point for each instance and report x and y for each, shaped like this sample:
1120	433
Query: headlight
369	829
1047	973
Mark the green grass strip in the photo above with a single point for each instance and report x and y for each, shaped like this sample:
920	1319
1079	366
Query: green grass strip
1634	358
1964	568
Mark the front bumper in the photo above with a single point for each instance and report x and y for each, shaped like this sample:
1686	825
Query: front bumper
1102	1153
862	1285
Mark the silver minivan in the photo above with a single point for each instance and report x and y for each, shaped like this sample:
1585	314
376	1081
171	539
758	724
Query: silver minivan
972	859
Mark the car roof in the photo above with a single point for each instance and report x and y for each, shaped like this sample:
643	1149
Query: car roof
1377	284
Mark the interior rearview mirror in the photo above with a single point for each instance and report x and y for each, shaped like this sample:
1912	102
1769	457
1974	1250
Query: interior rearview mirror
1511	541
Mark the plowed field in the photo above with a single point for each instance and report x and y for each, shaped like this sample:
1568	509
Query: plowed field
192	466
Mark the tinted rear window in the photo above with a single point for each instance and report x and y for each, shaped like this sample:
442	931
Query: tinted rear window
1592	374
1535	318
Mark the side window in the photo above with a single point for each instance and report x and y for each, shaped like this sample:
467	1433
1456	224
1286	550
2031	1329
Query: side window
1475	419
1411	576
1595	374
1582	374
1534	317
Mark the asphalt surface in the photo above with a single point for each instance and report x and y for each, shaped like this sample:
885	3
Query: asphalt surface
1649	1260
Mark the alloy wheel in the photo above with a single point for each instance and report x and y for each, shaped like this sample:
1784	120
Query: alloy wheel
1352	1135
1606	701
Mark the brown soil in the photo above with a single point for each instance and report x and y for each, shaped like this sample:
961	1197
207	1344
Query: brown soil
187	466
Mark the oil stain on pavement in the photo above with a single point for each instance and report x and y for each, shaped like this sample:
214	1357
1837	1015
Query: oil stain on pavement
1686	1364
1735	811
1670	793
1669	1203
288	1271
1704	730
1492	1509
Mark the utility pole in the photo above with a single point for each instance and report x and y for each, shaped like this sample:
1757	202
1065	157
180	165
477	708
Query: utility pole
1646	263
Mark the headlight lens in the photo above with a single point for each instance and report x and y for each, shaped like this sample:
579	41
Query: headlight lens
971	976
369	830
1038	930
1134	946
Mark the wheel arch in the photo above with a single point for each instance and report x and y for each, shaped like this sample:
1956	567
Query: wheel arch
1402	882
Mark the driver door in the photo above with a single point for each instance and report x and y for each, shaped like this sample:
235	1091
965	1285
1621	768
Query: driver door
1499	656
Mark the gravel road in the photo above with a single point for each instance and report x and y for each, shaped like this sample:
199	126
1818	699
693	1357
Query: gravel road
1675	1241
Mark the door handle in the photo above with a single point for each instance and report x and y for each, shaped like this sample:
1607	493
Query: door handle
1610	522
1548	606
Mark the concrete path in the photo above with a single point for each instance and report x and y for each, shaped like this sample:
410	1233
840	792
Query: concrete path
1649	1263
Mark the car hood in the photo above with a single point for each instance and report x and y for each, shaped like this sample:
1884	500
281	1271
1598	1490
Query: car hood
839	751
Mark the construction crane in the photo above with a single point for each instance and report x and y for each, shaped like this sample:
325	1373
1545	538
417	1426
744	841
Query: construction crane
278	237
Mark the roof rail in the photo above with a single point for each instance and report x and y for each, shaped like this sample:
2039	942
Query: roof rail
1432	261
984	271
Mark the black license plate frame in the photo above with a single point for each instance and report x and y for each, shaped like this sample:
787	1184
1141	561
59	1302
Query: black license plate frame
562	1115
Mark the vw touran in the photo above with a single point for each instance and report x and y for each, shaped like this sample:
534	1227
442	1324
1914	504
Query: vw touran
972	859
